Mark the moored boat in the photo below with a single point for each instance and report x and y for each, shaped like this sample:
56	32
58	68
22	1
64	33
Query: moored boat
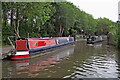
29	47
94	40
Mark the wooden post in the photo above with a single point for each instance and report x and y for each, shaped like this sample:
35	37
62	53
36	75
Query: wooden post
28	35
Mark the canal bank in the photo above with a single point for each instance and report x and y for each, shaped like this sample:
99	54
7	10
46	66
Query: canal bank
79	61
9	49
6	51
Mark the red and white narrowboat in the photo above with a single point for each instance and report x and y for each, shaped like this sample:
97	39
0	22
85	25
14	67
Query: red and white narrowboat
26	48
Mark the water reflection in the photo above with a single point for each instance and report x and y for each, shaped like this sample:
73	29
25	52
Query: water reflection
118	61
79	61
97	45
32	67
100	64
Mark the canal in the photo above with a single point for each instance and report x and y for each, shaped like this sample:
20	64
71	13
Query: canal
77	61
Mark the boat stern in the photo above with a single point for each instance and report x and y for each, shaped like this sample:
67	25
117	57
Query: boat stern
22	50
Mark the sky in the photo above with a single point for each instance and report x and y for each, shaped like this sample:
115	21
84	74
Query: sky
99	8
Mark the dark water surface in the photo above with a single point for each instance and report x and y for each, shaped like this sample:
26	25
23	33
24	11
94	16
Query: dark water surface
77	61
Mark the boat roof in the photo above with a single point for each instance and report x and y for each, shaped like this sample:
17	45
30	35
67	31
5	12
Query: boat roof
46	38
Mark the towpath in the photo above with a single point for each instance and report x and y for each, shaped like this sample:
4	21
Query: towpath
5	51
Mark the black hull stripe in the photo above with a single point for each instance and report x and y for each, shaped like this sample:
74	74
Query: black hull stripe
47	49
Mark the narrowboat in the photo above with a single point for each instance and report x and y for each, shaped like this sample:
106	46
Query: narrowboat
29	47
94	40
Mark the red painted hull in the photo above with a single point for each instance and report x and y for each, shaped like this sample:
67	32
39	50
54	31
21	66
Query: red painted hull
20	57
24	47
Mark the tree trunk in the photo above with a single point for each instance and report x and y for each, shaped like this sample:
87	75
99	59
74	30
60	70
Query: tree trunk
11	23
60	30
5	18
17	24
18	29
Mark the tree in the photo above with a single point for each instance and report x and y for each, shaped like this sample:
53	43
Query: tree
103	25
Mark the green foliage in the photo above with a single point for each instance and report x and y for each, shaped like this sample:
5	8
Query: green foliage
103	26
48	19
118	35
115	30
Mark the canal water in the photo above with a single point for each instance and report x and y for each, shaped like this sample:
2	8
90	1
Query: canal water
76	61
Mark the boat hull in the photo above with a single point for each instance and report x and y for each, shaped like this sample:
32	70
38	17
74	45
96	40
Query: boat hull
47	49
32	47
93	42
